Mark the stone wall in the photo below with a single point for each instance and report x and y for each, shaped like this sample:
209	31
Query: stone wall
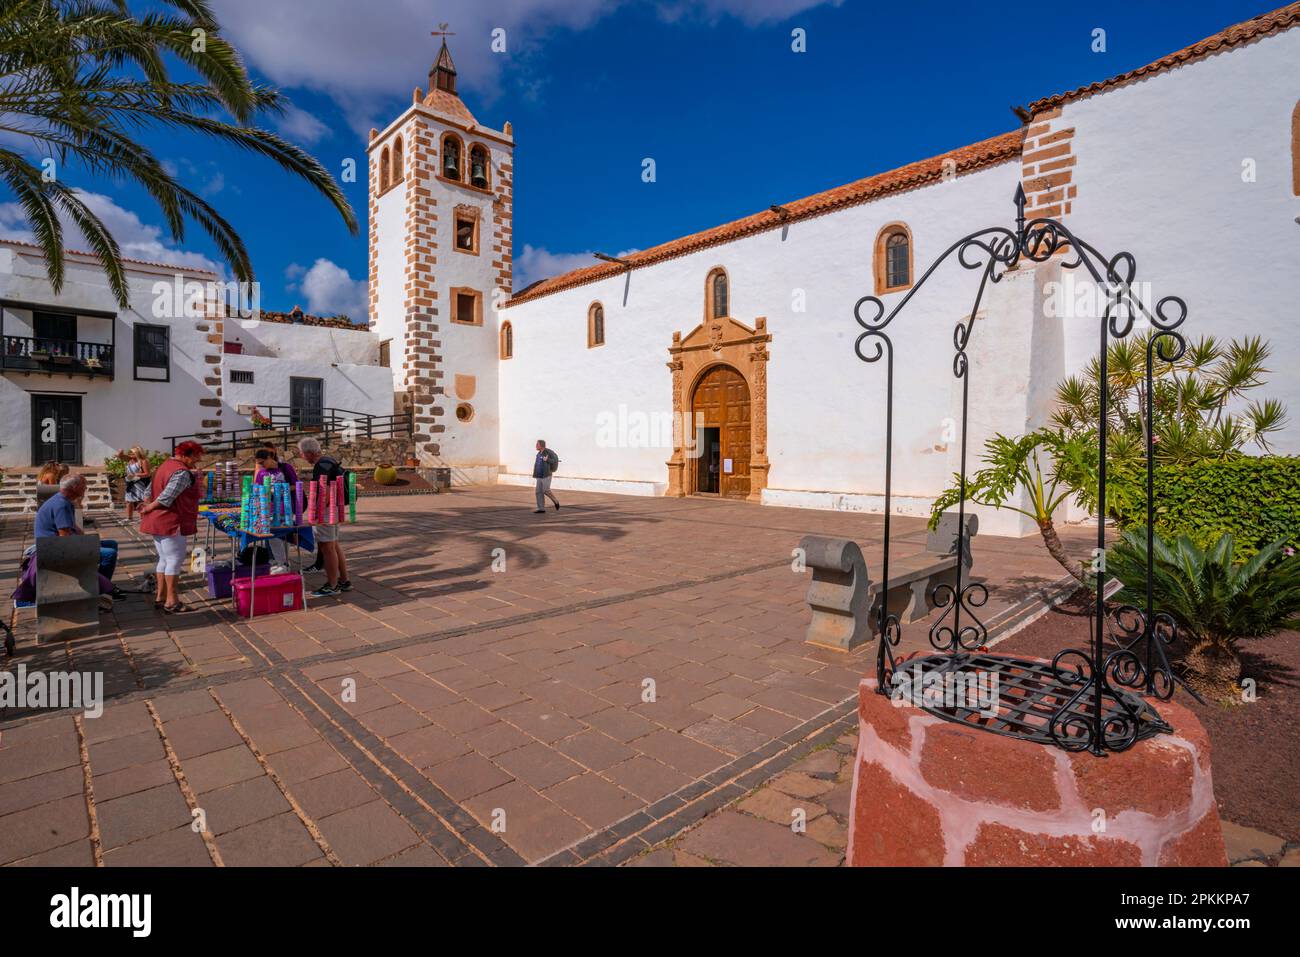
361	453
929	792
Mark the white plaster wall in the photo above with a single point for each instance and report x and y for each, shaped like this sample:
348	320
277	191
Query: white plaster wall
825	406
389	321
115	413
365	389
1160	175
469	350
357	346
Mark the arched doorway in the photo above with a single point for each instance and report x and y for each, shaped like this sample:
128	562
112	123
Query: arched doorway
720	413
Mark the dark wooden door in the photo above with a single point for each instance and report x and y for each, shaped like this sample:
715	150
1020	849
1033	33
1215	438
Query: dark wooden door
56	429
306	402
721	401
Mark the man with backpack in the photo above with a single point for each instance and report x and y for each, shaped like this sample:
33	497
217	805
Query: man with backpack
544	467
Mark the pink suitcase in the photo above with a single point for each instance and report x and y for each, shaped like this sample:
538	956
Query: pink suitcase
273	594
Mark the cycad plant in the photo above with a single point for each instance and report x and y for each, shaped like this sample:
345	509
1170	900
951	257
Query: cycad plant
80	80
1214	600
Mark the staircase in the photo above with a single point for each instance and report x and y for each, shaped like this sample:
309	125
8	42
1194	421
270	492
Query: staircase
18	493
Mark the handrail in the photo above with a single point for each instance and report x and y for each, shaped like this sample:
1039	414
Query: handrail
290	430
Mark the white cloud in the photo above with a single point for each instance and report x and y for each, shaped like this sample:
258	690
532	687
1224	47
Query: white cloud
137	239
749	12
363	54
301	127
329	290
535	263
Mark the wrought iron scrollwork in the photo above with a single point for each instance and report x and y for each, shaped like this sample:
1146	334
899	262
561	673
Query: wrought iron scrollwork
954	636
1100	712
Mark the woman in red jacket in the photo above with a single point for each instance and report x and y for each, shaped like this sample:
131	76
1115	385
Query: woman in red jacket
171	517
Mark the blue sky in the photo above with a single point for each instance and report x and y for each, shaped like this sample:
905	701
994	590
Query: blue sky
710	89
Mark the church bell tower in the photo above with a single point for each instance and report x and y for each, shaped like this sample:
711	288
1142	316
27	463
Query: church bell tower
440	213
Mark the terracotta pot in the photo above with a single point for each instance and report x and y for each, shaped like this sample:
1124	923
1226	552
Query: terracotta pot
385	474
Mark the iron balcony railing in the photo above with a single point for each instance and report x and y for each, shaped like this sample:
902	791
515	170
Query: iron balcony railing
30	354
328	426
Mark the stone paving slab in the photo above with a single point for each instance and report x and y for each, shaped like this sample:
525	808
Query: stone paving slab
636	667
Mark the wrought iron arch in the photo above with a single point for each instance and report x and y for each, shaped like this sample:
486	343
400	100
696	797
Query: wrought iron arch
1085	700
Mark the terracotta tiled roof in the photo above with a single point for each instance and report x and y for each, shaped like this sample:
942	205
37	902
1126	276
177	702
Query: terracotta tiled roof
449	104
1281	19
186	270
988	152
296	316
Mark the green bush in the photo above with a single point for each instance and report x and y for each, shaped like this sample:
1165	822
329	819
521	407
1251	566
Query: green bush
116	468
1257	499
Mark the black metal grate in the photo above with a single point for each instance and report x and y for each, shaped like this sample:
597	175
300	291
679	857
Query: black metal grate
1035	700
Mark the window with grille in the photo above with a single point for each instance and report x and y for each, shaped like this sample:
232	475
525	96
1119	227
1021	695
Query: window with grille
152	352
719	294
896	265
241	377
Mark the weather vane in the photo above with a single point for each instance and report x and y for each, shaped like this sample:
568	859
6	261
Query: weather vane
442	31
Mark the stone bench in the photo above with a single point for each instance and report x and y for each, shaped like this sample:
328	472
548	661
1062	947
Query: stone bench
913	578
837	596
67	587
845	602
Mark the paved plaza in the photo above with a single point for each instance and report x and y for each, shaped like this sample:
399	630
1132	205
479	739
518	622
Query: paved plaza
499	688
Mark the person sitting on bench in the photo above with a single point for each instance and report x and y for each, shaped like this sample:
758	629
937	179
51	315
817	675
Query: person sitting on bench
58	517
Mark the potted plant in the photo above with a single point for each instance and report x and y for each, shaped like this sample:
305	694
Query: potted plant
258	419
385	474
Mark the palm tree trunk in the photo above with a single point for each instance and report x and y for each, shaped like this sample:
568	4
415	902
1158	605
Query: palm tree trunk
1214	668
1057	551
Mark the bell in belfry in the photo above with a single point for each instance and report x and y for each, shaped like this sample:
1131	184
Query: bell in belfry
477	172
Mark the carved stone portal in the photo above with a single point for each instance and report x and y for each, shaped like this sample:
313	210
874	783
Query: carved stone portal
712	343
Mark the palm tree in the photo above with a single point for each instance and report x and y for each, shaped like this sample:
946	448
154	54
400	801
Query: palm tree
1191	398
81	79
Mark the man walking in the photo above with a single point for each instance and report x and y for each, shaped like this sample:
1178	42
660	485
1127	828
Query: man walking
544	467
327	536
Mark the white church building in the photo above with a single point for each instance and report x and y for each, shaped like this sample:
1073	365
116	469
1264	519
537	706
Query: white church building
746	330
720	363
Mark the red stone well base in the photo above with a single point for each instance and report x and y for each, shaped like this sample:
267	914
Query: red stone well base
931	792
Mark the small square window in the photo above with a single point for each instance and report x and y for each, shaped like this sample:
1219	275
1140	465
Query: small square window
241	377
466	306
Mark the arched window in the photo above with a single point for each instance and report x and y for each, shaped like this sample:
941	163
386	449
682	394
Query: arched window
451	149
480	169
507	341
893	259
1295	150
717	295
595	325
399	171
383	170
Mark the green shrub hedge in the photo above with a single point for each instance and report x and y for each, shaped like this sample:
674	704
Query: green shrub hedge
1257	499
